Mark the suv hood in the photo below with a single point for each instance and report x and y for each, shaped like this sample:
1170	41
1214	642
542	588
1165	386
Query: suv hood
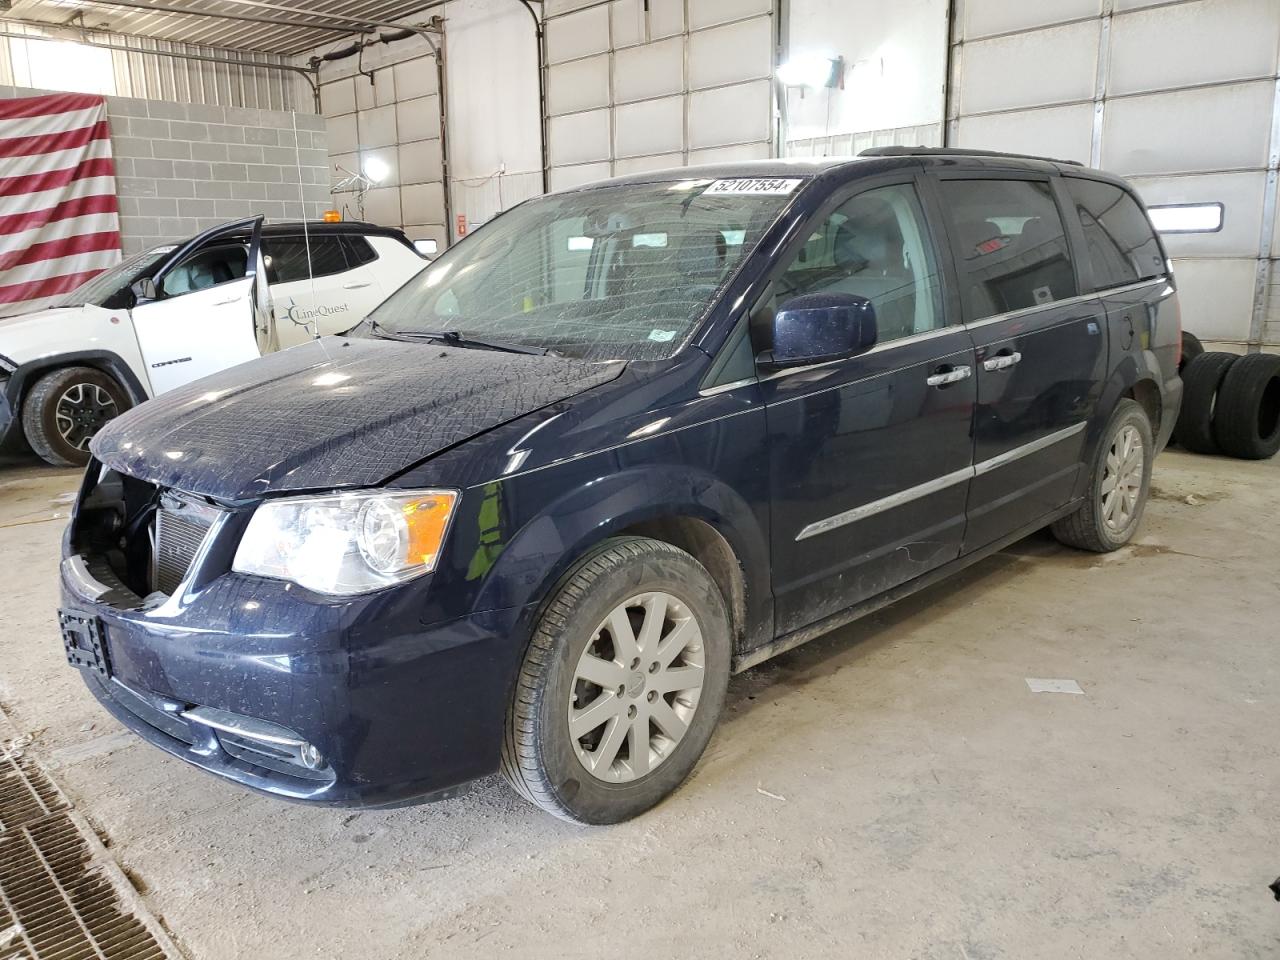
333	413
27	336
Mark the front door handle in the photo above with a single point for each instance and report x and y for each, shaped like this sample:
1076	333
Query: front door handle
223	303
1001	362
949	375
355	284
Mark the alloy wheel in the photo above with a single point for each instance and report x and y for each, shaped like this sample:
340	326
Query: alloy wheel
636	687
1122	480
81	411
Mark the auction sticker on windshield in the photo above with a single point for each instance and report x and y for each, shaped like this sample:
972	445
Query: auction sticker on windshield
773	186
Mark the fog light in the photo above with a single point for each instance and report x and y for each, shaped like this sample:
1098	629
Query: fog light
310	757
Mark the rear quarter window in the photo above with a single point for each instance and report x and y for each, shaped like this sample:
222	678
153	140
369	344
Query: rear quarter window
359	251
1122	247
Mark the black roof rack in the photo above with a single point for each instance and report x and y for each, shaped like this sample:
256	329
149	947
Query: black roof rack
955	152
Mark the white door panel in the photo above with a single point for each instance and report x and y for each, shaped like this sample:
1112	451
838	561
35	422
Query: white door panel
306	309
190	336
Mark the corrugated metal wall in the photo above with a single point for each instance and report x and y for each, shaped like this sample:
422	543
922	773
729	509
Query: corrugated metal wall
1180	96
167	78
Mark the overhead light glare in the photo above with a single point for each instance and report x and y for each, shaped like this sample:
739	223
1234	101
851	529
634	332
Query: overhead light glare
810	70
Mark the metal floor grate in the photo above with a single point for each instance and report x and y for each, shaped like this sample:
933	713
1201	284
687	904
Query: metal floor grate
61	896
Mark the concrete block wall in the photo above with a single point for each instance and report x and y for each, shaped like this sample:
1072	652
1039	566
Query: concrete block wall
182	168
395	118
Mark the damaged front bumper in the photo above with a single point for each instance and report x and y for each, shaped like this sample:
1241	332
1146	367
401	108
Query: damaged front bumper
352	703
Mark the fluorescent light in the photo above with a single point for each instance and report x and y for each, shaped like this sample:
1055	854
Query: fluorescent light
427	248
649	240
376	169
1187	217
581	243
808	70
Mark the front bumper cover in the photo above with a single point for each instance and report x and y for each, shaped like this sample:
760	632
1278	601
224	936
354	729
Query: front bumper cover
400	711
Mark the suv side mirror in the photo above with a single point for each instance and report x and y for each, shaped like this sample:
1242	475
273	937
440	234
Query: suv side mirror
144	290
818	327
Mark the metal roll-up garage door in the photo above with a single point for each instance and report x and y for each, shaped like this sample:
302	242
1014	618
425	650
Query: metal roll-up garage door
1180	97
636	85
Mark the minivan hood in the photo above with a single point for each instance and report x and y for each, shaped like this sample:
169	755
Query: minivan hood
332	413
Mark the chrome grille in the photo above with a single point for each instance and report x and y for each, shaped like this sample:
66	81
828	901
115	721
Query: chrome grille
181	528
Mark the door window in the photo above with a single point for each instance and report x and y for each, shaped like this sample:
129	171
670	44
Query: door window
1122	247
1013	247
874	245
205	268
286	257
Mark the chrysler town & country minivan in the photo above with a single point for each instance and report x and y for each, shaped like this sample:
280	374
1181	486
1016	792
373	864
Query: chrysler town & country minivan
621	442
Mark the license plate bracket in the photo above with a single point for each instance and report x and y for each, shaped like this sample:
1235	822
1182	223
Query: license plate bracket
85	642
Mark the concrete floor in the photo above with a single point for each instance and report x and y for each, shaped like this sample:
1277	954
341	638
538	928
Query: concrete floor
893	790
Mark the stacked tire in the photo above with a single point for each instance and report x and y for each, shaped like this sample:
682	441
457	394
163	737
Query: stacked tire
1231	405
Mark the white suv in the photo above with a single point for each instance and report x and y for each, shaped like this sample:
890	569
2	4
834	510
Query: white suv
174	313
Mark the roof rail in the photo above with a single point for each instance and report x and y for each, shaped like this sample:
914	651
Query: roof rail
897	151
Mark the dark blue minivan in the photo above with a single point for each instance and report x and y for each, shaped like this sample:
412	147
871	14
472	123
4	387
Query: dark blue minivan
618	444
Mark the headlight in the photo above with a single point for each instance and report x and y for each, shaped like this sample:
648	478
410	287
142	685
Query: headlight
349	542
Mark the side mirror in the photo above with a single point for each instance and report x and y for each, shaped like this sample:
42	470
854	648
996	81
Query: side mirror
144	290
818	327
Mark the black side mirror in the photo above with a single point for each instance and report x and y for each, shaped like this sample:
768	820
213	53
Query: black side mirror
818	327
144	290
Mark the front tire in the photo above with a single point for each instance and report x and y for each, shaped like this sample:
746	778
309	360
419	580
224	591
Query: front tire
1118	487
622	684
64	410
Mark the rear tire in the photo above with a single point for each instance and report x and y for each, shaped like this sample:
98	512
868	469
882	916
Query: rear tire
1201	381
640	724
65	408
1118	486
1246	419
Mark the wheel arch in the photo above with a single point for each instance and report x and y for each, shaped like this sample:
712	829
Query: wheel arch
105	361
687	509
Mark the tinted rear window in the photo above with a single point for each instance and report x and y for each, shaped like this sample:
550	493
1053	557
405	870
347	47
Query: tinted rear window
1013	248
1122	248
359	250
288	257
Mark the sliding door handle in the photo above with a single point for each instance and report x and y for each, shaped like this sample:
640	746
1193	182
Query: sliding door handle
1002	361
355	285
946	375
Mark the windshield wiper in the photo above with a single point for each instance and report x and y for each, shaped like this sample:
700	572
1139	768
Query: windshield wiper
454	338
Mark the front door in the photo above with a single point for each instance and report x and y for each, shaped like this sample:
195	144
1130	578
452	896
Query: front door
202	318
870	457
1041	350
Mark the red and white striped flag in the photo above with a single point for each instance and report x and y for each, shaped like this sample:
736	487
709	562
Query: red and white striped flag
59	222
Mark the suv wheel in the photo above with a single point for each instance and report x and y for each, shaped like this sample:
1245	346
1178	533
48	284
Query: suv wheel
622	684
1118	487
66	408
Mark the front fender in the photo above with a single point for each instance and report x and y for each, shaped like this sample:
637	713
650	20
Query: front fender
542	549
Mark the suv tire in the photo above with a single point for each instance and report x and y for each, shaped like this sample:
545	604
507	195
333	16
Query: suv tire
595	623
1201	380
1246	418
65	408
1118	485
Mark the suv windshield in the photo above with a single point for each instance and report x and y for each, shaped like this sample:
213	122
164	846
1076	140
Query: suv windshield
612	272
99	290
